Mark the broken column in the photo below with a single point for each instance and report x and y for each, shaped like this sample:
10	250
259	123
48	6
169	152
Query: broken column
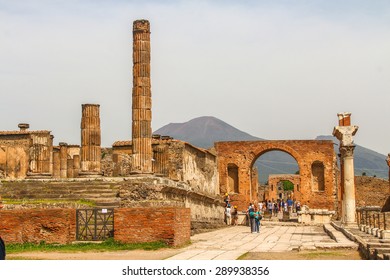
344	132
90	141
142	101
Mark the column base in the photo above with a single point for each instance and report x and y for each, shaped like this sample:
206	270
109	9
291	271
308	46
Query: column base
90	175
139	173
31	175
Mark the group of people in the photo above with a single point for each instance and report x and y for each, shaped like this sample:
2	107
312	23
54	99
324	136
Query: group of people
254	215
274	207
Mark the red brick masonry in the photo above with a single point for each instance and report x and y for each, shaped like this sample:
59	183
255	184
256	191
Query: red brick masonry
172	225
131	225
36	225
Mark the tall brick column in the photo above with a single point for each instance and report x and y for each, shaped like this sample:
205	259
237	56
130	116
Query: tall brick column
90	141
142	100
388	163
344	132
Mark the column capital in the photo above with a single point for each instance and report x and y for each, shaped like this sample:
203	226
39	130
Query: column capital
344	134
347	151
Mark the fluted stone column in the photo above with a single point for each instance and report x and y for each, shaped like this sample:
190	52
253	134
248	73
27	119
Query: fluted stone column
76	165
90	141
69	168
56	163
344	133
142	100
63	159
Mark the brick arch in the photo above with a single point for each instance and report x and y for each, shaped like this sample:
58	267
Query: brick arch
274	147
243	154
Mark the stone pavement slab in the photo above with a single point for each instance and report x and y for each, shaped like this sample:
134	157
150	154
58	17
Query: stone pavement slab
231	242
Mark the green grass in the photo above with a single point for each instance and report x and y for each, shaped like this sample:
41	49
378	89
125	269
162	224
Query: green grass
47	201
107	245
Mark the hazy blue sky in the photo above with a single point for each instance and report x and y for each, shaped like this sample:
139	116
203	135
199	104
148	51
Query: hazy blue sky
274	69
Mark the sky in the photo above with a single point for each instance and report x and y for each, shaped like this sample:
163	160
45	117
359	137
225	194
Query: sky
274	69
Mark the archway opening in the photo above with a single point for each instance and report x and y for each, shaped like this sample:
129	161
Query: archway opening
277	175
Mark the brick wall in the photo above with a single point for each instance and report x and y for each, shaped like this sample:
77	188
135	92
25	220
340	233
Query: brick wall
171	225
36	225
243	154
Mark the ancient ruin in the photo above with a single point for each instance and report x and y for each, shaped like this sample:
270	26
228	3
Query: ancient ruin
344	132
142	99
159	172
317	169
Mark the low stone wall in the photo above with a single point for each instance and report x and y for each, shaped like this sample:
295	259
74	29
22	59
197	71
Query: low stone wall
49	225
131	225
315	216
171	225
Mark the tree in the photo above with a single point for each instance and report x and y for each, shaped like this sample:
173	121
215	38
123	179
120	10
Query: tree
287	185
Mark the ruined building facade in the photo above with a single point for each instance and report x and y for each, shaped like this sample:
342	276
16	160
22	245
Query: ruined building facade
199	176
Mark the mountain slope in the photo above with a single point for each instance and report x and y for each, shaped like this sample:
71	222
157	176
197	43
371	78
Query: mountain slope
204	131
365	160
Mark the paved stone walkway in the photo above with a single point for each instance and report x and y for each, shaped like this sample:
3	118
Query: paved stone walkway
232	242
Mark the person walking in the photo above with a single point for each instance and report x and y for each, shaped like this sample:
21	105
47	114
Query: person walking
251	215
2	245
258	218
228	214
234	216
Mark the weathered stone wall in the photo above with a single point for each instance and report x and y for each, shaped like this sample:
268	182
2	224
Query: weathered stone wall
14	155
171	225
273	181
176	160
206	210
36	225
243	154
371	191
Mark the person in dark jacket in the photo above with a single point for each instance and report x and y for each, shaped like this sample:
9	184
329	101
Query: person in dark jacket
2	245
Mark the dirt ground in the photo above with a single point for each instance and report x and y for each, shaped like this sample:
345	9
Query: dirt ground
166	253
107	255
339	254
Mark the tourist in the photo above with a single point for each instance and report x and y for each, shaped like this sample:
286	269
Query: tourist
298	206
2	245
226	199
260	206
234	216
251	216
258	218
228	215
275	209
270	207
290	203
